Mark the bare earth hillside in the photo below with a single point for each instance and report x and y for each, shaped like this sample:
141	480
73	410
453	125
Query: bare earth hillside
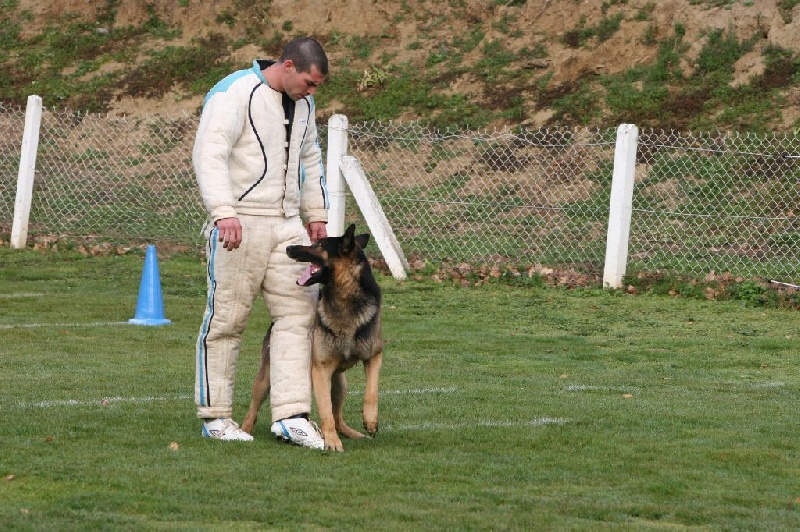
409	30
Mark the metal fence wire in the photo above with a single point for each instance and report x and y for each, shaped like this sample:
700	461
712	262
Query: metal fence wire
12	124
702	203
119	179
524	197
718	202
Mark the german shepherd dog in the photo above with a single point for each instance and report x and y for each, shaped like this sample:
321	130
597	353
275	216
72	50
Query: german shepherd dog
347	329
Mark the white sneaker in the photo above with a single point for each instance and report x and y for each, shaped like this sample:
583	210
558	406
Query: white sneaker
224	429
298	431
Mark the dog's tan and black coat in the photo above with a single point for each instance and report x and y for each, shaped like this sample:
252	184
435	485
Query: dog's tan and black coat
347	330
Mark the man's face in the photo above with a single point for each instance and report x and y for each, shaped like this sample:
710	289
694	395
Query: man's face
298	84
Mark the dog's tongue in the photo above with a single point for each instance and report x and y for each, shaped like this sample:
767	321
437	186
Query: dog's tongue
305	276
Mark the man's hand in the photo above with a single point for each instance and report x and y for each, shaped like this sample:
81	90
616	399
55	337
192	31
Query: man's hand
230	232
317	231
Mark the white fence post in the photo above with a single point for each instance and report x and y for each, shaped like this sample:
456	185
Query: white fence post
337	148
375	217
27	168
620	205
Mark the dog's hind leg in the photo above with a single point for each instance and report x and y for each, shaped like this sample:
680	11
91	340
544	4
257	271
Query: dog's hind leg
372	369
260	386
338	394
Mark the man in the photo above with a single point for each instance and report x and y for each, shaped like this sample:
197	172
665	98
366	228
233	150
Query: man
259	170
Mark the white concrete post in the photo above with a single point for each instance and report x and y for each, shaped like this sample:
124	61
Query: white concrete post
620	205
337	148
375	217
27	168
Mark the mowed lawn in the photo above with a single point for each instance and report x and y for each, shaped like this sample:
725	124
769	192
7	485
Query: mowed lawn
502	408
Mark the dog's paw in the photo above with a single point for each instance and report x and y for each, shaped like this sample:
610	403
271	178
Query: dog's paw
372	429
334	445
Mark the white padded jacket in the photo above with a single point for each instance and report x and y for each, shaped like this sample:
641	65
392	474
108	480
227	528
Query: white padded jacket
240	155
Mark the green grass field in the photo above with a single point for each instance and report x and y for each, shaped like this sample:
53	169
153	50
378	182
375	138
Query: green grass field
502	408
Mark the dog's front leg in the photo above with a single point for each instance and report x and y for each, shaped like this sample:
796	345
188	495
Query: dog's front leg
261	386
372	369
321	377
338	395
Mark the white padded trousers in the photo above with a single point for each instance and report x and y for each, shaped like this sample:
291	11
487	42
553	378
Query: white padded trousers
259	266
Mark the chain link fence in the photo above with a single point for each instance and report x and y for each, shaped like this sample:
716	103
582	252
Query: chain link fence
702	203
527	197
12	124
109	178
717	202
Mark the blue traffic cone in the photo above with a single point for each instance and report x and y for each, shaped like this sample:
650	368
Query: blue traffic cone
150	307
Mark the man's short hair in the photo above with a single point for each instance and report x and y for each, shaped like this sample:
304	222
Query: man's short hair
306	52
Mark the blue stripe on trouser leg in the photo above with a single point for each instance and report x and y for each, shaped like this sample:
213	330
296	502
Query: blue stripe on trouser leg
235	279
201	391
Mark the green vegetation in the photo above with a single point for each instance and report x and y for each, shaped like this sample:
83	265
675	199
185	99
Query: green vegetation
786	7
659	95
604	29
522	408
84	66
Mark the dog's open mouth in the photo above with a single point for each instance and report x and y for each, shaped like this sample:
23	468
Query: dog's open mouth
307	274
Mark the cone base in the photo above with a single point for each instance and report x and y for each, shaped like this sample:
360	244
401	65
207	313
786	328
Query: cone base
149	321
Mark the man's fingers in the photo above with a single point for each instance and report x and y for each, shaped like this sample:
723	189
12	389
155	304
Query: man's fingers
229	233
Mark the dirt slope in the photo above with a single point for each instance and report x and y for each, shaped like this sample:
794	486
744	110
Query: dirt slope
522	26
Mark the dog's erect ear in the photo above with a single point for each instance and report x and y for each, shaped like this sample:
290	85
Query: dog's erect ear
348	239
363	240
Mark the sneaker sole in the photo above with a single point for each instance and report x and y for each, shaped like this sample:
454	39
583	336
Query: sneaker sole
290	441
208	436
